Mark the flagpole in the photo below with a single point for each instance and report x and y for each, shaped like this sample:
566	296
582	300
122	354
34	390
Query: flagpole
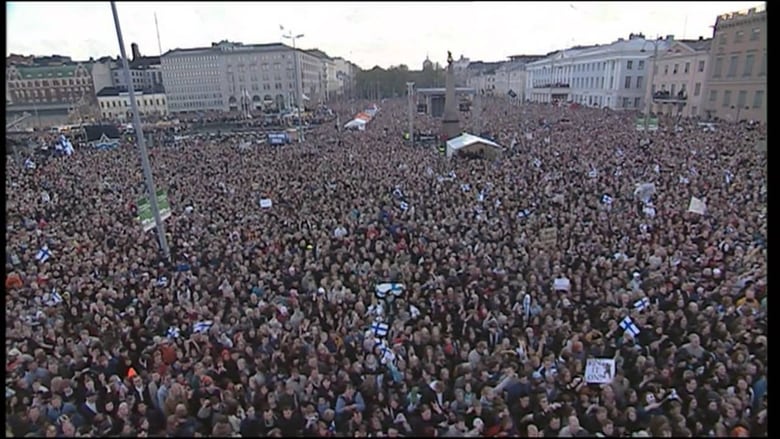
139	134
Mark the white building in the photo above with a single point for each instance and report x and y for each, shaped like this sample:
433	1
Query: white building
114	103
613	75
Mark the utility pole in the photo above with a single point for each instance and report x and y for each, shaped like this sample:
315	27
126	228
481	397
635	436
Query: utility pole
652	79
139	134
410	92
298	81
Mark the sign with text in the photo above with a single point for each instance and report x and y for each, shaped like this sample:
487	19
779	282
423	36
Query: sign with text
599	370
548	237
145	215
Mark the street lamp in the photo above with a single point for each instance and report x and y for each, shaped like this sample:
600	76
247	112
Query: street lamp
298	78
410	92
152	192
652	77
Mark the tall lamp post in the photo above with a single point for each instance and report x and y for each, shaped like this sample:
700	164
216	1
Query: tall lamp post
298	78
152	192
410	92
652	78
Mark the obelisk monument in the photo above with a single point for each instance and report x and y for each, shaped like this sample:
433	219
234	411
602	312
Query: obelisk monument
450	125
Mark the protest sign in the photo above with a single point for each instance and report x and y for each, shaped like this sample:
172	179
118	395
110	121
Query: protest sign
145	215
266	203
548	237
599	370
697	206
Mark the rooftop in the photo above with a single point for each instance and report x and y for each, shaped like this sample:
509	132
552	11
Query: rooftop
228	46
61	71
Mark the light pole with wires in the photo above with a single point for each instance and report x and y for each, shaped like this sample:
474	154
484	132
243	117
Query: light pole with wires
298	78
652	78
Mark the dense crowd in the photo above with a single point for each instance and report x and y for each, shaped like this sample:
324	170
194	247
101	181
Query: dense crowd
512	274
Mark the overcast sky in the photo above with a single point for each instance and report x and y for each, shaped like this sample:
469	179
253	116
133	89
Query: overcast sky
366	33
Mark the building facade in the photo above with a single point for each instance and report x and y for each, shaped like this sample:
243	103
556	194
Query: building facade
53	94
613	76
346	73
227	76
679	79
736	79
114	103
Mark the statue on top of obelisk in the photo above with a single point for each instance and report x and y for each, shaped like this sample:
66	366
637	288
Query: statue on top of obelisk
450	122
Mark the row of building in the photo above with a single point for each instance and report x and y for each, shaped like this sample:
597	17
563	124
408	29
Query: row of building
224	77
723	76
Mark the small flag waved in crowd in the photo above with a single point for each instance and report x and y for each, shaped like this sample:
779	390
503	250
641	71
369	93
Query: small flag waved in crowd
203	326
606	199
162	281
43	254
642	303
392	288
173	332
380	329
628	325
54	298
404	206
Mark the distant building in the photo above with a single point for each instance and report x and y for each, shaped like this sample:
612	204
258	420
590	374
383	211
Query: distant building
427	64
227	76
613	75
115	103
679	78
51	93
145	71
736	80
346	73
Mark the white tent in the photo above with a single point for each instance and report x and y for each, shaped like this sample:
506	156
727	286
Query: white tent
470	143
356	124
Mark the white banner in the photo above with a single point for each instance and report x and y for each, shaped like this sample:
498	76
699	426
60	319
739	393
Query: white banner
599	370
697	206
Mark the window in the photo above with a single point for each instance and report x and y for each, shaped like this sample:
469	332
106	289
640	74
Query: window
628	82
641	64
701	66
739	36
672	90
639	81
718	67
733	66
697	89
637	101
629	64
722	39
762	72
741	98
758	99
726	98
713	96
666	69
750	59
626	102
687	67
674	72
755	33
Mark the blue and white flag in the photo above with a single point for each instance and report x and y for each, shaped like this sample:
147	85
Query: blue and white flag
43	254
414	312
481	196
54	298
593	173
642	303
203	326
606	199
388	287
628	325
729	177
173	332
404	206
377	310
527	308
398	193
162	281
525	213
537	163
684	180
380	329
465	187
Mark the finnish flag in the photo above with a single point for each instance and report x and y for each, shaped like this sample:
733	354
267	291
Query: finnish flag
173	332
43	254
642	303
628	325
537	163
392	288
54	298
404	206
414	312
451	175
376	310
398	193
465	187
203	326
162	281
481	196
380	329
729	177
684	180
606	199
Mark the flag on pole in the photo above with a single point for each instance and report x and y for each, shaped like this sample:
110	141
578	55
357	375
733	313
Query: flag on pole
404	206
380	329
628	325
512	94
392	288
43	254
606	199
642	303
